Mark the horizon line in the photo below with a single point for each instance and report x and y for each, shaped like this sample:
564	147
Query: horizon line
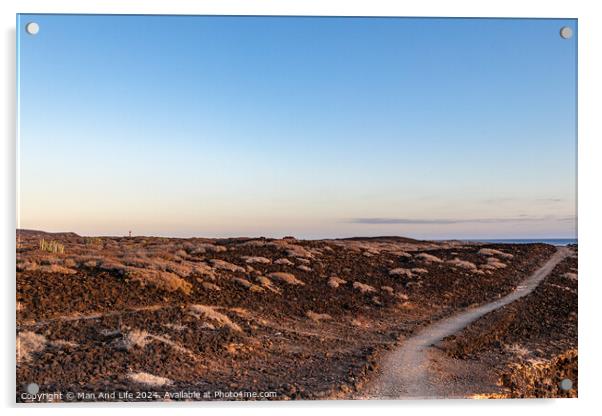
504	238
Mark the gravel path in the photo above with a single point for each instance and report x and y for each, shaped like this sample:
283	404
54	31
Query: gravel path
408	372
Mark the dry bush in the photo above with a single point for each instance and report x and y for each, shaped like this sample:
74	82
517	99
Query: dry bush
419	270
61	343
88	261
517	349
267	283
203	270
403	297
154	262
175	327
361	322
493	252
284	262
181	269
91	264
571	276
181	253
111	265
69	262
27	266
29	343
149	379
218	318
334	282
286	278
159	279
242	312
210	286
247	285
136	338
294	250
400	272
137	261
49	260
463	264
429	258
363	287
253	243
110	244
493	264
203	248
188	246
56	268
318	316
304	268
260	260
224	265
400	253
388	289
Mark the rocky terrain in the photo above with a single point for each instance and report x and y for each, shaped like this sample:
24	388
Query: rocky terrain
151	318
532	343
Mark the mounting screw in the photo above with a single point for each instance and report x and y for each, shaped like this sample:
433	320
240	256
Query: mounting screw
566	384
566	32
32	28
33	388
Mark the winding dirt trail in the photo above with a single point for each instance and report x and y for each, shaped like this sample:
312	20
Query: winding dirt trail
413	371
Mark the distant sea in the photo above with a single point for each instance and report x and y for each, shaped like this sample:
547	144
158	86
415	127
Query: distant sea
552	241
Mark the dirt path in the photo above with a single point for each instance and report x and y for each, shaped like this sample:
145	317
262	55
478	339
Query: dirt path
416	370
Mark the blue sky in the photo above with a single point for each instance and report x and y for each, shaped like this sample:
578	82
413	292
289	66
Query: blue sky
315	127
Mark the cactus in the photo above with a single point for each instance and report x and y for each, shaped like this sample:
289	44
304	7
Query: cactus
52	246
92	240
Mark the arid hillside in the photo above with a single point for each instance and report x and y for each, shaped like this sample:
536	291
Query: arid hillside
206	319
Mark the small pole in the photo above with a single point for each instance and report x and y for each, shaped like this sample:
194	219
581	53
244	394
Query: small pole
130	233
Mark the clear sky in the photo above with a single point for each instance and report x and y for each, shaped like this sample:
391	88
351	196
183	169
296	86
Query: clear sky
313	127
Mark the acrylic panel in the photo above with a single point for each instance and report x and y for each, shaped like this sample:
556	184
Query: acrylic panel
275	208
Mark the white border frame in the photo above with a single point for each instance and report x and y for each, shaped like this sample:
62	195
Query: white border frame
590	30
